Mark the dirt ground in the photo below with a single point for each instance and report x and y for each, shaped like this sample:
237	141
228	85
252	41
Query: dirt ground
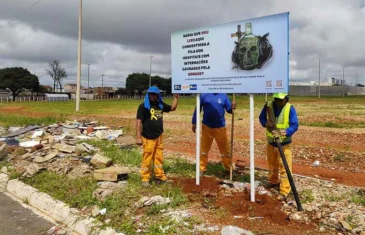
340	153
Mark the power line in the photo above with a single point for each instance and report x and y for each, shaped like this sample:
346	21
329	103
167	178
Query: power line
22	14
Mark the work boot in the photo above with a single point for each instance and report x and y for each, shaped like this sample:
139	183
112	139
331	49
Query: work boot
160	182
146	184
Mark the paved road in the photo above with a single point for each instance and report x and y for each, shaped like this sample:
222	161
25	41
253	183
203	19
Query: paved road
18	220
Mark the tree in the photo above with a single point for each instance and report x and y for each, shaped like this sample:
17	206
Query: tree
41	89
18	79
139	82
121	91
57	73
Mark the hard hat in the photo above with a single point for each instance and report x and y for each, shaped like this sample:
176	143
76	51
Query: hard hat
280	96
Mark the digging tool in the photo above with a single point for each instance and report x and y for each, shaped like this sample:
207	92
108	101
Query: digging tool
285	163
232	129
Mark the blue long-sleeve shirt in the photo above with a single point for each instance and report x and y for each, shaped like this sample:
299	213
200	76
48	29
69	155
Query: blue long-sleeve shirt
293	120
214	106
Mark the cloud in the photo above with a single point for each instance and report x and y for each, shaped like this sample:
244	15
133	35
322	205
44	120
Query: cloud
120	36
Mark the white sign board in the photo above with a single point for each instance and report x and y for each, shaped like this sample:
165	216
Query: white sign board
249	56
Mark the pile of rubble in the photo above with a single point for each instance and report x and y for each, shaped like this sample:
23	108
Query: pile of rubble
59	149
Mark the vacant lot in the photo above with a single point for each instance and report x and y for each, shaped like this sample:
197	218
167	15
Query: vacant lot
332	131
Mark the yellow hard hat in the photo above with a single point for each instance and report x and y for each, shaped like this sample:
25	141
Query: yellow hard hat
280	96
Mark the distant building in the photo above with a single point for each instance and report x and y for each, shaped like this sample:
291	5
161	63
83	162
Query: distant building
338	82
49	88
4	94
71	87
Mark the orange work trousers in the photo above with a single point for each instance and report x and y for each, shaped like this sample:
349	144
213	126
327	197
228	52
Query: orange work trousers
276	167
152	153
220	136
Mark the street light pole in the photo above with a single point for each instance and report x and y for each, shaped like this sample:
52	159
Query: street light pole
79	61
319	78
150	69
356	82
88	81
102	80
343	81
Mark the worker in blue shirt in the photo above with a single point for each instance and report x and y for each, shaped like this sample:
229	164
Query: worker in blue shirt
286	122
214	106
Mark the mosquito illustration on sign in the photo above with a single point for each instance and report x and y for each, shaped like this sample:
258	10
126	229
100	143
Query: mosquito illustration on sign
251	51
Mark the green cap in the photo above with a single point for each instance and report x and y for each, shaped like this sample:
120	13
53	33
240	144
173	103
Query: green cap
279	95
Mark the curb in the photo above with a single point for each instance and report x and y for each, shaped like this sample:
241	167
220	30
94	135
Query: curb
56	210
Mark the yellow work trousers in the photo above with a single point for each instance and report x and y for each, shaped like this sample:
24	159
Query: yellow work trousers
276	167
152	152
207	137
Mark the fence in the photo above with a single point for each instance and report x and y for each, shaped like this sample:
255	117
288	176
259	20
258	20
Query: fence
293	91
326	90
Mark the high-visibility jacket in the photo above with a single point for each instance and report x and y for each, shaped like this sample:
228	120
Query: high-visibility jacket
281	122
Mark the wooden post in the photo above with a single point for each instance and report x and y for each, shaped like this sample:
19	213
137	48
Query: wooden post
232	131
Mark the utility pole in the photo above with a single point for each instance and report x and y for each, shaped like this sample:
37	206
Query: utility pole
79	61
356	82
319	78
343	81
88	80
150	69
102	80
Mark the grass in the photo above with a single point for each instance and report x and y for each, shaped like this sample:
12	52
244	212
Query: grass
75	192
358	198
7	120
121	205
307	196
334	198
130	157
339	158
325	110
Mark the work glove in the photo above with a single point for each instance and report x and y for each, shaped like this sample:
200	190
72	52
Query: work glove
276	133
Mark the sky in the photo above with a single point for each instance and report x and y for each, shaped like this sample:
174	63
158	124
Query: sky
120	36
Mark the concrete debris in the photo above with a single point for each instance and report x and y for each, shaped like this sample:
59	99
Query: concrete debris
48	157
108	134
15	132
233	230
112	185
4	170
37	133
100	161
202	228
79	171
148	201
107	188
179	216
28	144
57	148
67	148
84	148
58	230
101	194
111	173
126	140
31	170
95	211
